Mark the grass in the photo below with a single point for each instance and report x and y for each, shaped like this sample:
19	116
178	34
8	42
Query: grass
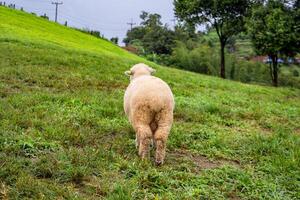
63	133
243	46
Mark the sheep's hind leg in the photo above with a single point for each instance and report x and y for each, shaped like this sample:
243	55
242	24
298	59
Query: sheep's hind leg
153	126
137	141
161	136
164	123
145	136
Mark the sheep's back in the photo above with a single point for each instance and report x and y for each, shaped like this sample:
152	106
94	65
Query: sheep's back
148	91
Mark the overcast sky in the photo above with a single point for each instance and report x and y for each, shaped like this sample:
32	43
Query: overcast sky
110	17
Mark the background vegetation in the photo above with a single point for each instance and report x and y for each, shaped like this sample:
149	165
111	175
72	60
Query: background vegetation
267	28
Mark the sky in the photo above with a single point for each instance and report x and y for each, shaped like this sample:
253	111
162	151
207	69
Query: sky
110	17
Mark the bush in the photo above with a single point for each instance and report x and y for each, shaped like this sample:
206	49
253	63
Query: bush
204	59
248	71
287	80
295	73
199	59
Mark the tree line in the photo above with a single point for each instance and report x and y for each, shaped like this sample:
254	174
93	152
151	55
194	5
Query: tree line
272	26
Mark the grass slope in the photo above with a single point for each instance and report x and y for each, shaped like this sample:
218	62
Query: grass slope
63	133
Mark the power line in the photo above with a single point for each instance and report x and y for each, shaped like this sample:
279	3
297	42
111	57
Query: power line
131	24
86	23
94	20
56	8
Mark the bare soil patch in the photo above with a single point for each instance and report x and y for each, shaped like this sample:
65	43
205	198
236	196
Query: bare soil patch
202	162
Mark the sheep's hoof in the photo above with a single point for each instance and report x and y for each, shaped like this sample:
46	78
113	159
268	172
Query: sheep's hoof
158	162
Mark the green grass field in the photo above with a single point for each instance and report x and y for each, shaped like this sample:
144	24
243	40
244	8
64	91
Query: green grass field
64	135
243	46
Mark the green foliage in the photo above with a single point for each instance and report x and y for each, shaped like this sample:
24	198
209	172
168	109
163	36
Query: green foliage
295	73
227	17
251	72
137	33
63	133
115	40
199	59
158	40
198	51
273	31
150	20
154	37
139	46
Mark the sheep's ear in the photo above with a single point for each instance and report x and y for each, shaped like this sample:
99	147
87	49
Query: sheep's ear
128	73
152	71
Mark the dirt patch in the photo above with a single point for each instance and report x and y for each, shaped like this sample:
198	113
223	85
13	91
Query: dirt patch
233	196
202	162
267	131
5	92
297	131
3	191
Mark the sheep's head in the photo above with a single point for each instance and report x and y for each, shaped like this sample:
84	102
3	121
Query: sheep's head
139	70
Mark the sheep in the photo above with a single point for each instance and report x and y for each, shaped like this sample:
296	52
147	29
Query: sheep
149	105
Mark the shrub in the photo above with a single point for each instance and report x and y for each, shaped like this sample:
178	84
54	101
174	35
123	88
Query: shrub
295	73
199	59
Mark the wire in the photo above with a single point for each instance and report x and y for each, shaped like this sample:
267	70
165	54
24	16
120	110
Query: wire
88	23
103	23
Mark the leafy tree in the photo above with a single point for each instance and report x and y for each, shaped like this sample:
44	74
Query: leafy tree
272	27
95	33
150	20
296	25
184	32
114	40
225	16
198	59
137	33
159	40
155	37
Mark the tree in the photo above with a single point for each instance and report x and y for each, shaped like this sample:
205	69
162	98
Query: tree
184	32
272	27
296	25
137	33
225	16
115	40
155	38
150	20
159	40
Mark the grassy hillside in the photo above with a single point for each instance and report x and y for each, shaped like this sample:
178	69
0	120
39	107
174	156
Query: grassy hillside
243	45
63	133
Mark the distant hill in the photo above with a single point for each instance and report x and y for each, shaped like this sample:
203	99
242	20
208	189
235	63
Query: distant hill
64	135
242	44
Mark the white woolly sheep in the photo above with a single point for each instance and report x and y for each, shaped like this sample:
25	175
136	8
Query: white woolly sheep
149	105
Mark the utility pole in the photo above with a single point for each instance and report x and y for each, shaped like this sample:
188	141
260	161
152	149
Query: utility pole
131	24
56	7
